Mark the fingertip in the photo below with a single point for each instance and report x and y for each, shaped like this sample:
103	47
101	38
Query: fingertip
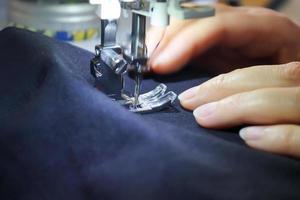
170	58
159	69
206	115
279	139
186	104
192	98
188	94
162	65
252	133
189	104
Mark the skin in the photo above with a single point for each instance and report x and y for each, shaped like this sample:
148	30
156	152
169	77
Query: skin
255	51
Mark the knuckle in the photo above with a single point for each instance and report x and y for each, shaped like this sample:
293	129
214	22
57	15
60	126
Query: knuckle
287	139
220	81
259	11
291	72
244	104
297	94
220	23
296	102
287	22
264	11
238	101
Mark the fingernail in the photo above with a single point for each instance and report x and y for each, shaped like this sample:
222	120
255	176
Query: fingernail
205	110
158	60
151	49
252	133
188	94
155	63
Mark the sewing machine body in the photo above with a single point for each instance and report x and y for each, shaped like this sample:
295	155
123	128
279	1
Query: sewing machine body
112	63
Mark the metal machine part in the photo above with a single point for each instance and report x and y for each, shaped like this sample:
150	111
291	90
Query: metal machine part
153	101
111	64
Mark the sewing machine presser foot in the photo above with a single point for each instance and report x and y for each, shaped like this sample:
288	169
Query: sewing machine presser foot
110	79
152	101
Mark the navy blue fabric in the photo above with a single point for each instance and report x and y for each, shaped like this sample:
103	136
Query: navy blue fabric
60	138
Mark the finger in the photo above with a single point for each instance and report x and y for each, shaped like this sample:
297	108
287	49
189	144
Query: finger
234	29
242	80
158	38
154	36
264	106
281	139
183	37
197	38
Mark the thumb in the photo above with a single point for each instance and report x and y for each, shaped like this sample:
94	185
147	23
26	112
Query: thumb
281	139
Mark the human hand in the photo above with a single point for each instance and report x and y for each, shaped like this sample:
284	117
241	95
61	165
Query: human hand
234	38
265	96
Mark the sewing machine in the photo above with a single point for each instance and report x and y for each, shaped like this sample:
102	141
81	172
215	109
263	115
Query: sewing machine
112	62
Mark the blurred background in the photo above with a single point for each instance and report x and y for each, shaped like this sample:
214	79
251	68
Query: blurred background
75	20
